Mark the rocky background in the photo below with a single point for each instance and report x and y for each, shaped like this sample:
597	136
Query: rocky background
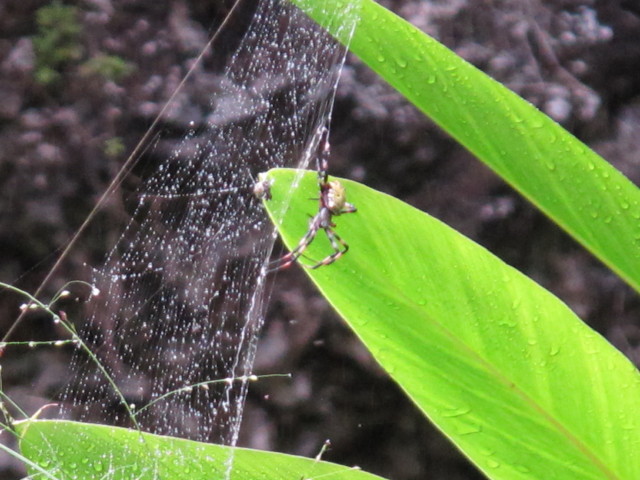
80	83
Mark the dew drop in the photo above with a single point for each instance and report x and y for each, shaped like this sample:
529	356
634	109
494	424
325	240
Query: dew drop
467	428
487	451
456	412
402	63
555	350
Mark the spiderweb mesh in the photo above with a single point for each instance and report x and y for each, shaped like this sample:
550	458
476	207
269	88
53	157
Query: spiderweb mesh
183	290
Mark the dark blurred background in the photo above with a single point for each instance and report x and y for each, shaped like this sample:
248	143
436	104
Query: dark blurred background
81	82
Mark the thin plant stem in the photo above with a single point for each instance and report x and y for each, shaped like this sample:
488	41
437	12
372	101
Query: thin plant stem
61	318
188	388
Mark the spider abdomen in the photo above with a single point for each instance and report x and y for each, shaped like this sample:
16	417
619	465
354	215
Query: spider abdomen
335	199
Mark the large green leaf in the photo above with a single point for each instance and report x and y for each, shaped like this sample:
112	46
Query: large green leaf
500	365
71	450
580	191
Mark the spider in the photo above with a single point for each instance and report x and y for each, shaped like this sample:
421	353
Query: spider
333	202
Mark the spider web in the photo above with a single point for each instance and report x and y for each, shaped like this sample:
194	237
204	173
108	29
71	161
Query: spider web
183	290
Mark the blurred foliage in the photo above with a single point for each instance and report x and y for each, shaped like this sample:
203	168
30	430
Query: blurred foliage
109	67
113	147
57	43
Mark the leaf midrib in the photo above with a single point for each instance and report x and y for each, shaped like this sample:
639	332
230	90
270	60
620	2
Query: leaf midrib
497	373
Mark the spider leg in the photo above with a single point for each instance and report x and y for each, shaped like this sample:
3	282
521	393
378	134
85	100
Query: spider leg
293	255
348	208
340	247
322	162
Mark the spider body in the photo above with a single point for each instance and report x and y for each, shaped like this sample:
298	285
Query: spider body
335	198
333	202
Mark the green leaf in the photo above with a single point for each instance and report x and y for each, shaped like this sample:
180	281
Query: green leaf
72	450
500	365
570	183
